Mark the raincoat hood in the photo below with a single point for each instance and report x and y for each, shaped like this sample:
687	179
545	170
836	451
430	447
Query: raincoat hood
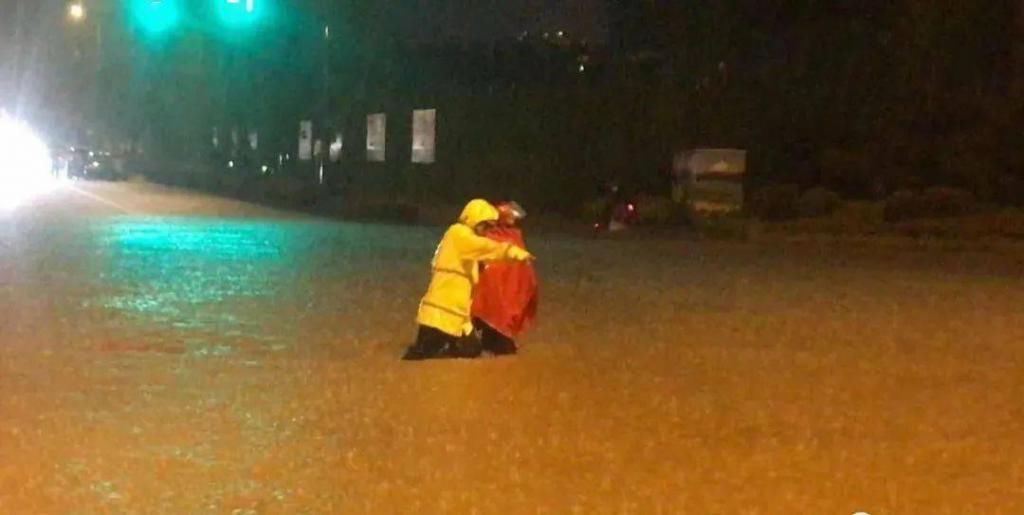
477	211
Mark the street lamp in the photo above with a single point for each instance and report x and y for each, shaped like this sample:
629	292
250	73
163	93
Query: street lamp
76	11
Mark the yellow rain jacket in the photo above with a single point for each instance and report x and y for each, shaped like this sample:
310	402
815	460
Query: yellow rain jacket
455	270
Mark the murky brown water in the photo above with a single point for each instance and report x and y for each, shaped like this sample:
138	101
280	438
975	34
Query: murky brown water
188	355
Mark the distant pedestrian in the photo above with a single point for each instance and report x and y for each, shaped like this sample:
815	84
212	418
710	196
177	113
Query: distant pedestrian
444	313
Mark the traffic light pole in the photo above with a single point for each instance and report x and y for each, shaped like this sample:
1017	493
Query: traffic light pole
326	103
98	71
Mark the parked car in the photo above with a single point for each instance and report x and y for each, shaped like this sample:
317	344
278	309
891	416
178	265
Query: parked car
87	164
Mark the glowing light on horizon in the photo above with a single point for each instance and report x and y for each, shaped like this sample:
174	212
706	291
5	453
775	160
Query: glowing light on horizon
25	165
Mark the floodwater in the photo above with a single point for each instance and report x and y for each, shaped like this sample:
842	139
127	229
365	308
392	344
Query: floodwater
164	352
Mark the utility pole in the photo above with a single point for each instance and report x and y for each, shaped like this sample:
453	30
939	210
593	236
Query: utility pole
325	104
80	16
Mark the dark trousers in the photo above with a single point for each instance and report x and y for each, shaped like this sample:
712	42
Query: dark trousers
433	343
491	340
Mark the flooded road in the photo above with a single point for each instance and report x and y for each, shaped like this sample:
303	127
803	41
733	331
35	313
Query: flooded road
166	352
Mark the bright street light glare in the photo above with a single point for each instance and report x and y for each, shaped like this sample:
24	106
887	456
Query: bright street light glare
76	11
25	166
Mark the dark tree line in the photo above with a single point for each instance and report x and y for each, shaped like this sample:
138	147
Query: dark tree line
864	97
858	95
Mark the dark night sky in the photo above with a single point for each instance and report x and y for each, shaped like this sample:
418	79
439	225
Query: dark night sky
495	19
430	19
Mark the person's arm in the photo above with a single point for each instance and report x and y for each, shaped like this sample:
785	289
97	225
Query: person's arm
479	248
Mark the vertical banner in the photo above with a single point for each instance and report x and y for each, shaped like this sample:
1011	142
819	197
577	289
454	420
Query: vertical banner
424	130
376	137
305	140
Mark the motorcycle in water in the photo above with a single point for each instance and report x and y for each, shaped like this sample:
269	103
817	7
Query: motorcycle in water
619	215
623	217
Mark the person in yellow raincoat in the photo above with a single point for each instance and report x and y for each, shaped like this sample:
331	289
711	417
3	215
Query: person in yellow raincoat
444	313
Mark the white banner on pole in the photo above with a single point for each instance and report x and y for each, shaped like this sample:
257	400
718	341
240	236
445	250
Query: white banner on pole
376	137
424	130
305	140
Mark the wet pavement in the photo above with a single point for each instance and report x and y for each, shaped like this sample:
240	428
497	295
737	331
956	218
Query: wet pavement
167	352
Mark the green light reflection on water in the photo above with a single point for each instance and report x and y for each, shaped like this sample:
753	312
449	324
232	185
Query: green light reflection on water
196	275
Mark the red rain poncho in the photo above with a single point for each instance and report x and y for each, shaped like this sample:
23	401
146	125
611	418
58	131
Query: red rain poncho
506	296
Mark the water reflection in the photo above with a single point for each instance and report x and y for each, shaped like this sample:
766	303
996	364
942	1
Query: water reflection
204	277
218	286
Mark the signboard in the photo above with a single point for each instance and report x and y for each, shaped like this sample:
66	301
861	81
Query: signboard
710	180
424	130
305	140
376	137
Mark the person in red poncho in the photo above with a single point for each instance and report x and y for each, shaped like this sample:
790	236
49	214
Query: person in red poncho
505	299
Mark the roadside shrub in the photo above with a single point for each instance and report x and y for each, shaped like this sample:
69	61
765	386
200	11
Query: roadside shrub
722	227
945	202
939	202
193	179
818	202
778	202
290	191
657	210
850	171
1009	190
1008	223
231	184
902	205
254	190
594	209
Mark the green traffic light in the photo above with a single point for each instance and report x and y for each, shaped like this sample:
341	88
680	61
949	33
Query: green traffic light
156	16
239	13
